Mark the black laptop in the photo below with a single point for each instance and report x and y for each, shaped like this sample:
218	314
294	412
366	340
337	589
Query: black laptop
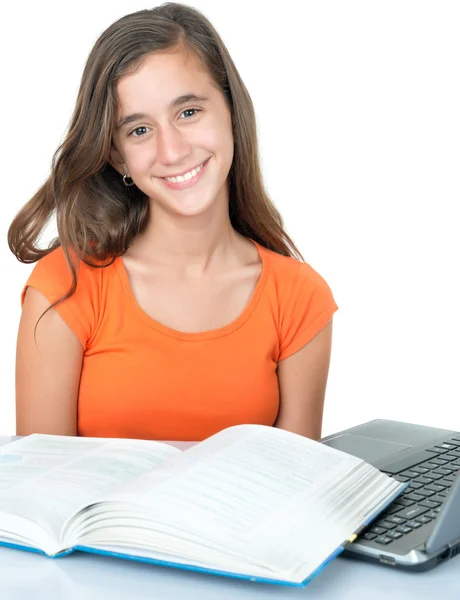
421	528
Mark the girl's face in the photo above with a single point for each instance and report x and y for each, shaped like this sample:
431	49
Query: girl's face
160	132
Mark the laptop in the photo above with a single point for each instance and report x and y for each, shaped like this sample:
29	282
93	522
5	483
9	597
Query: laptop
421	528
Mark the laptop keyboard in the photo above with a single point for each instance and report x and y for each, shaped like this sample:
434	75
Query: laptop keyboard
429	485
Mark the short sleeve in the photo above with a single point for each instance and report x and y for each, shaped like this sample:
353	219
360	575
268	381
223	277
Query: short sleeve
52	277
307	308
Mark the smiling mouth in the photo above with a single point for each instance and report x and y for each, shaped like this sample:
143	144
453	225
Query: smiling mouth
186	176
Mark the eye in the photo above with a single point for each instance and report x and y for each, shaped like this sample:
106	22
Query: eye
137	130
193	110
142	130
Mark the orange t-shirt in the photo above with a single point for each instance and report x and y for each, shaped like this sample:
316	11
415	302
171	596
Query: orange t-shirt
141	379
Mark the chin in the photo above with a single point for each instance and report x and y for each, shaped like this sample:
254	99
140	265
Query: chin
189	203
191	209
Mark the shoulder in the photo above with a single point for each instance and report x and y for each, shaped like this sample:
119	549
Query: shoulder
53	277
301	299
290	273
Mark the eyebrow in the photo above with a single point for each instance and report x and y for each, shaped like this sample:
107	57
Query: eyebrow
175	103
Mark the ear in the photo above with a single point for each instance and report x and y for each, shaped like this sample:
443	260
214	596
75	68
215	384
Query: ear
116	160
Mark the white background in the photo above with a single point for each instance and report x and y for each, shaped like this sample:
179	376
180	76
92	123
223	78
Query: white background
358	109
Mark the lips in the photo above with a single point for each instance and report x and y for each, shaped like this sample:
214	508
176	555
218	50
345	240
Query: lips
202	164
188	183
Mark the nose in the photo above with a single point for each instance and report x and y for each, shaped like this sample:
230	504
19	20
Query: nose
172	145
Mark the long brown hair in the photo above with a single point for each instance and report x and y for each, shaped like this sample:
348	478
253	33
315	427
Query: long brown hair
97	216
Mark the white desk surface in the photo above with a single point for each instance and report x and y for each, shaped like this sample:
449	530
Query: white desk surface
24	575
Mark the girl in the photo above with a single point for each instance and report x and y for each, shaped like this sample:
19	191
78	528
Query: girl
173	303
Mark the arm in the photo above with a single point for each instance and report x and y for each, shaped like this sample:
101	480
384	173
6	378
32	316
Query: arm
48	370
302	379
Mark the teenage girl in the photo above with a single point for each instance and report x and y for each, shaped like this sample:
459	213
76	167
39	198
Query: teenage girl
173	303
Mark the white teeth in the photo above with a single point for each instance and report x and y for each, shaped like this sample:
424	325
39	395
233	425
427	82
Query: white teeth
185	177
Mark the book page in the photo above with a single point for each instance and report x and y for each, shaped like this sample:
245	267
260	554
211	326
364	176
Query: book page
272	463
240	492
46	479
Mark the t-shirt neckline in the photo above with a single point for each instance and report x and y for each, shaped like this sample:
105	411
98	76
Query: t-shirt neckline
200	335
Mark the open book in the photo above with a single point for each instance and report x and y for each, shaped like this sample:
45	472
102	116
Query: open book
252	502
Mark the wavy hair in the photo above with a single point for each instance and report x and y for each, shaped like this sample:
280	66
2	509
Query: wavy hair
97	216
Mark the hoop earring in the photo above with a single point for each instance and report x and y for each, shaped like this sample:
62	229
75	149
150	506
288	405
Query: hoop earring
125	178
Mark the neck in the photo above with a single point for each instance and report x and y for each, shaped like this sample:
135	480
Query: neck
192	245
